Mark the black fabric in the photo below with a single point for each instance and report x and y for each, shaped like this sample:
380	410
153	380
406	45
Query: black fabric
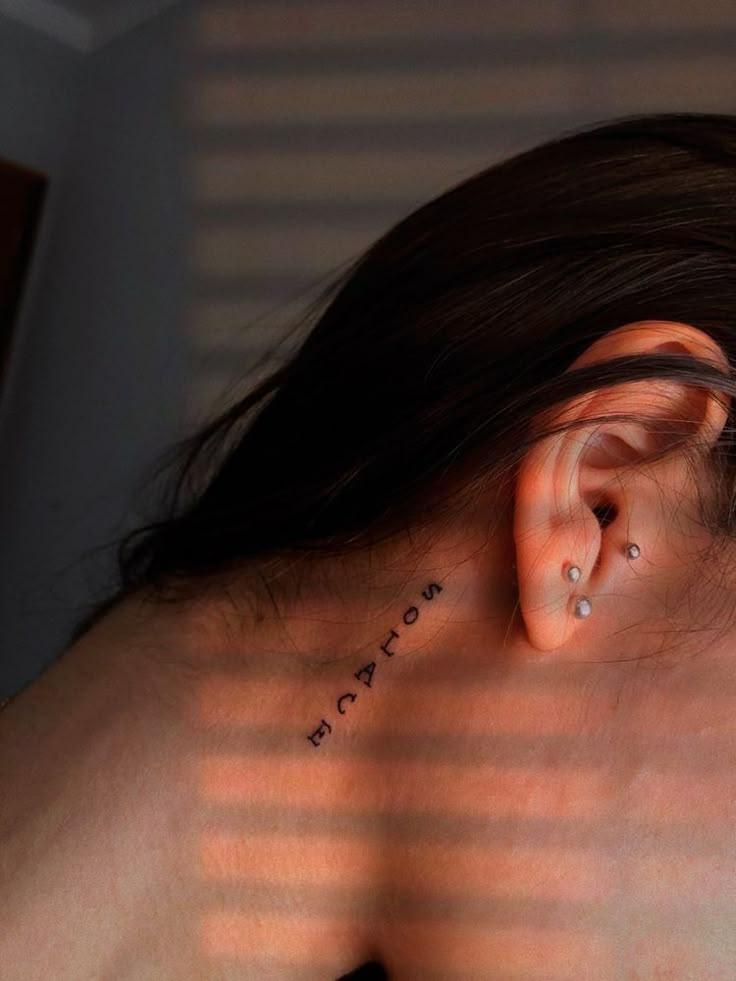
372	971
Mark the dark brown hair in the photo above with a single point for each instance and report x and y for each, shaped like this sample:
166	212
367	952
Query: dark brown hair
443	341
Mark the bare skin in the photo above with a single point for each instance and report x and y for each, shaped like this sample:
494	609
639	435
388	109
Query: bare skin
509	793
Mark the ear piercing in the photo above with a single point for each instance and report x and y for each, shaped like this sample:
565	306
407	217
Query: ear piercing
583	606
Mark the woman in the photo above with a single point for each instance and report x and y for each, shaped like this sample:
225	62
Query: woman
430	661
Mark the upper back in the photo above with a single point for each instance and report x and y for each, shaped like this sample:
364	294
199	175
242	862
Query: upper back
166	818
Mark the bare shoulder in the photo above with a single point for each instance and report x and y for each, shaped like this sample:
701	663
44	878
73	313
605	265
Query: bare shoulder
148	824
86	804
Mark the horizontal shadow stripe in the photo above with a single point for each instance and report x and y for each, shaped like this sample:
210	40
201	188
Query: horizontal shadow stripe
270	969
497	748
582	47
227	966
376	214
377	903
493	132
294	902
601	835
274	287
337	670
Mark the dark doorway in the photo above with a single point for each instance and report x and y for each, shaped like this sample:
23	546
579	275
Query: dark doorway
22	193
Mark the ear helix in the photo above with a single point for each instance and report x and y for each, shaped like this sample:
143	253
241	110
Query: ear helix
583	606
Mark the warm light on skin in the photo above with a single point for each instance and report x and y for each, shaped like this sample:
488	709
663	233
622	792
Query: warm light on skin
603	790
447	788
485	808
591	785
515	795
457	788
554	955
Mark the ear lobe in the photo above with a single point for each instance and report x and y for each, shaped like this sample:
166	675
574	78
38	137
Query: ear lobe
553	526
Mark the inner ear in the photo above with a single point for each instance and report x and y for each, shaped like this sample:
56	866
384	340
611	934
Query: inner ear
607	450
605	513
670	347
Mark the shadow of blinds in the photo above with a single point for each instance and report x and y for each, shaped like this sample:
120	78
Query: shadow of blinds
314	127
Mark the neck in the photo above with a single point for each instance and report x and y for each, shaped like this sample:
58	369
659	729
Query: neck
339	606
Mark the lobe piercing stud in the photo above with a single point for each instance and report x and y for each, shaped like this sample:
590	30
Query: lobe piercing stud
583	608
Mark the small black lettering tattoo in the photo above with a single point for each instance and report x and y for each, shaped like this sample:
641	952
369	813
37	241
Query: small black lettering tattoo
348	694
385	644
370	668
319	731
365	674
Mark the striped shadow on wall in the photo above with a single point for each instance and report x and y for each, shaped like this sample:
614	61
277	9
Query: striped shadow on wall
317	125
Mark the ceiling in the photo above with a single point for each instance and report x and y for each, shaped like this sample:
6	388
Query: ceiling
83	24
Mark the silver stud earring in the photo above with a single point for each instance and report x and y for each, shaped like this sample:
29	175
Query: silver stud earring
583	606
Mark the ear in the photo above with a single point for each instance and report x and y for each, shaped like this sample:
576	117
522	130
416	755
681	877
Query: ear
566	479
